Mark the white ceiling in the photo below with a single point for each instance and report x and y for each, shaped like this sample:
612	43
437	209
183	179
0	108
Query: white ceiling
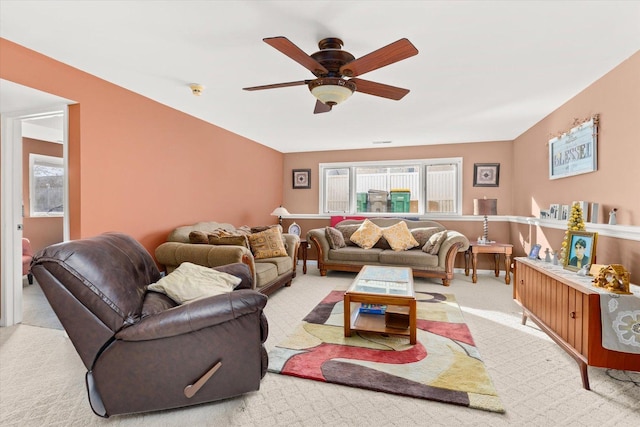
487	70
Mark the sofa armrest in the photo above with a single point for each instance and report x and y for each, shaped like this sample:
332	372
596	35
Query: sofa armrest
319	238
172	254
293	243
196	315
447	253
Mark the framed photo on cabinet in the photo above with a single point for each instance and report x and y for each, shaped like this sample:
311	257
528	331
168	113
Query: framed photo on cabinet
581	249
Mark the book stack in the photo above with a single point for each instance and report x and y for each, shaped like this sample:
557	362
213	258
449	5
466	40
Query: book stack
373	308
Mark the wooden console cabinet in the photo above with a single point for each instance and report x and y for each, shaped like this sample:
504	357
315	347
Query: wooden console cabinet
569	313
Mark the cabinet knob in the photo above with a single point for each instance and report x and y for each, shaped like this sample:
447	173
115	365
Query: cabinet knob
572	314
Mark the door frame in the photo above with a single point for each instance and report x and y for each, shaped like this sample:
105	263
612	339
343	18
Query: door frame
11	206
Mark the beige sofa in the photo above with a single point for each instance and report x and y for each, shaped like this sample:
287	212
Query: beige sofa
269	274
423	264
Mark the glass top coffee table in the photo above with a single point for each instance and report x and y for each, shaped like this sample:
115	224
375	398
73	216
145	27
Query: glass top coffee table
388	286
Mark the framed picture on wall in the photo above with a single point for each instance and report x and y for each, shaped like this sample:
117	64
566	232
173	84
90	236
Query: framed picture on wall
581	249
486	174
301	178
574	152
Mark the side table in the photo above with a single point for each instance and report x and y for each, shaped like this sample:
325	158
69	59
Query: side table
489	248
304	246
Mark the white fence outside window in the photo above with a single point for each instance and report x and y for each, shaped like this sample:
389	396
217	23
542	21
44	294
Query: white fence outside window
440	194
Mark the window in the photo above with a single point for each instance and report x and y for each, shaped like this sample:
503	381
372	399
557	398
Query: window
412	186
46	185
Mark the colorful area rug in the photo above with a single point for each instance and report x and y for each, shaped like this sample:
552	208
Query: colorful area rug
444	365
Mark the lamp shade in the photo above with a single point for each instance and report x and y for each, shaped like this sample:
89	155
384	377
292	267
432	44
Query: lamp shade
485	206
280	211
331	90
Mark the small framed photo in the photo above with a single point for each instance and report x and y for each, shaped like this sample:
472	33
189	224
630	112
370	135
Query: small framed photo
301	178
486	174
554	211
581	249
564	212
535	251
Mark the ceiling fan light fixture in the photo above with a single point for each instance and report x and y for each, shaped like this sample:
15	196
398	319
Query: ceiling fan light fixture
332	90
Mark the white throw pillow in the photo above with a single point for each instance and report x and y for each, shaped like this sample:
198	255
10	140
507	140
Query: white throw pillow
190	281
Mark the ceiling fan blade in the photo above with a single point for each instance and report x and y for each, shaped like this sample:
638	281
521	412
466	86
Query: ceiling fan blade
379	89
285	46
394	52
277	85
321	107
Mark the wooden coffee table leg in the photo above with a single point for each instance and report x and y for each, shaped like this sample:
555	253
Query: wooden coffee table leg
347	315
413	321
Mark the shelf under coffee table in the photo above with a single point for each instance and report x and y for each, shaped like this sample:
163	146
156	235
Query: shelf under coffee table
391	286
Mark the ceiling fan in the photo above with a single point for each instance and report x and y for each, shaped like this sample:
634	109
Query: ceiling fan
331	65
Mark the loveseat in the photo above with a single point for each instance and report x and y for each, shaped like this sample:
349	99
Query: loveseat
213	244
425	246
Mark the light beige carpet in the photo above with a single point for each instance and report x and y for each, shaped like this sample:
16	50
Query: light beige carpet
42	377
36	310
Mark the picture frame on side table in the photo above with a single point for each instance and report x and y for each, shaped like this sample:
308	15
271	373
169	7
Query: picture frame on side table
581	249
486	174
535	251
301	178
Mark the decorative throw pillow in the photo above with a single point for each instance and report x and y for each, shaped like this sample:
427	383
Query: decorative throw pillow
267	244
382	243
259	228
199	237
335	238
423	234
229	240
366	235
347	231
399	237
433	244
190	282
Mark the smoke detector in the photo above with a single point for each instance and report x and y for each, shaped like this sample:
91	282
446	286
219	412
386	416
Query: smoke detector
196	89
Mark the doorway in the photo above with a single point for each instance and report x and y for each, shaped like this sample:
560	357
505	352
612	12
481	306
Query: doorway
34	105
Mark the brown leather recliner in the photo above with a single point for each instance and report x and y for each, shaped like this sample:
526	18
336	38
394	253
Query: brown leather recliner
142	351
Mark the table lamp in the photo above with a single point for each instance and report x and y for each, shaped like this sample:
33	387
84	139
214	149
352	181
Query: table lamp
485	207
279	212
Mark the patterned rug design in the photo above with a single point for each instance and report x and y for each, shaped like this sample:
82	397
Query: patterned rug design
444	365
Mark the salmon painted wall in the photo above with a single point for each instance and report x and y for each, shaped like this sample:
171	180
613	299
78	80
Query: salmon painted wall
41	231
142	168
616	99
306	201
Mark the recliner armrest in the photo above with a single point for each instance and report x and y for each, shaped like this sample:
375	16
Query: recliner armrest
194	316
